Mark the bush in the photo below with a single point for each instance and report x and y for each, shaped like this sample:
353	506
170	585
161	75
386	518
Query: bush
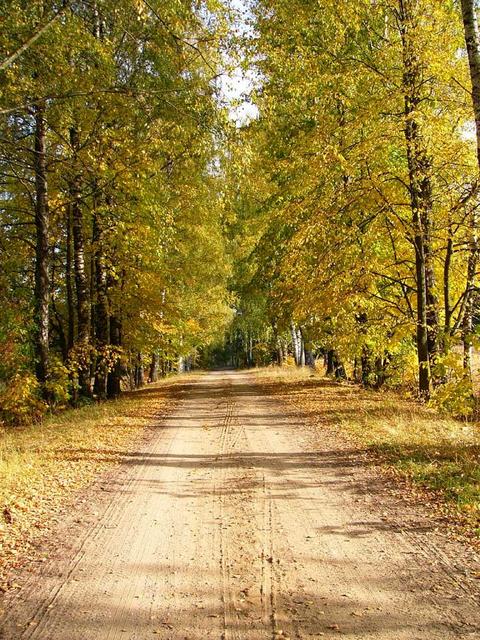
19	400
58	384
455	394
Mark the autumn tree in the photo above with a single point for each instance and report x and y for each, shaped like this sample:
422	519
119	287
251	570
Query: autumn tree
110	128
367	183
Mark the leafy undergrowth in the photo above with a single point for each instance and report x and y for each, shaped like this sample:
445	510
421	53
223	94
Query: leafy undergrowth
437	452
42	466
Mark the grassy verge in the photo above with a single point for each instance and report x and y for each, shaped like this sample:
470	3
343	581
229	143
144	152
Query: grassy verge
435	451
42	466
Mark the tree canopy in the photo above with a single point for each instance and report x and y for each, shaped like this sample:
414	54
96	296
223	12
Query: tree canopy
144	225
360	186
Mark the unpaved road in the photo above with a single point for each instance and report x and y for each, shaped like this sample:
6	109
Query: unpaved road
238	521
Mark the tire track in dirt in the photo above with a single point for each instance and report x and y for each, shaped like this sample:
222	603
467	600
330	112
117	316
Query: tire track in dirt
268	587
103	534
230	617
238	521
336	577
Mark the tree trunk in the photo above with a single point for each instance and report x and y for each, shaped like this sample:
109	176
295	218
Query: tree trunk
163	364
56	316
366	361
181	364
250	350
81	279
297	344
101	313
446	290
331	358
335	366
472	41
153	374
295	347
419	169
381	364
139	372
470	303
280	354
301	347
42	258
340	373
70	295
69	282
357	370
366	370
308	357
115	373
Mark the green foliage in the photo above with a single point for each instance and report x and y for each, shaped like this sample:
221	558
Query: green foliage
323	221
297	226
132	141
58	384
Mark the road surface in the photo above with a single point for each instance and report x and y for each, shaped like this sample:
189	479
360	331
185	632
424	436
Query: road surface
238	520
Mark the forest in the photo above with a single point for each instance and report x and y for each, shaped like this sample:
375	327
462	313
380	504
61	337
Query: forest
323	212
239	319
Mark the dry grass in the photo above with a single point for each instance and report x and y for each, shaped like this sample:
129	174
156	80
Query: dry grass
435	451
42	466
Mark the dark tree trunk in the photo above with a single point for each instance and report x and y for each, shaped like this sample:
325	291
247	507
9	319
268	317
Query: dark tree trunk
42	258
308	357
446	289
419	168
334	365
81	278
154	362
340	373
472	40
57	325
470	304
163	364
115	373
101	312
367	369
69	282
56	317
357	370
139	371
381	364
331	358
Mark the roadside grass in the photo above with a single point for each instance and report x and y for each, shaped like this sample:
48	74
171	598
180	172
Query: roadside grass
42	466
432	450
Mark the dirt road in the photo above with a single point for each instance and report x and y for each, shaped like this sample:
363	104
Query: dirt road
239	521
